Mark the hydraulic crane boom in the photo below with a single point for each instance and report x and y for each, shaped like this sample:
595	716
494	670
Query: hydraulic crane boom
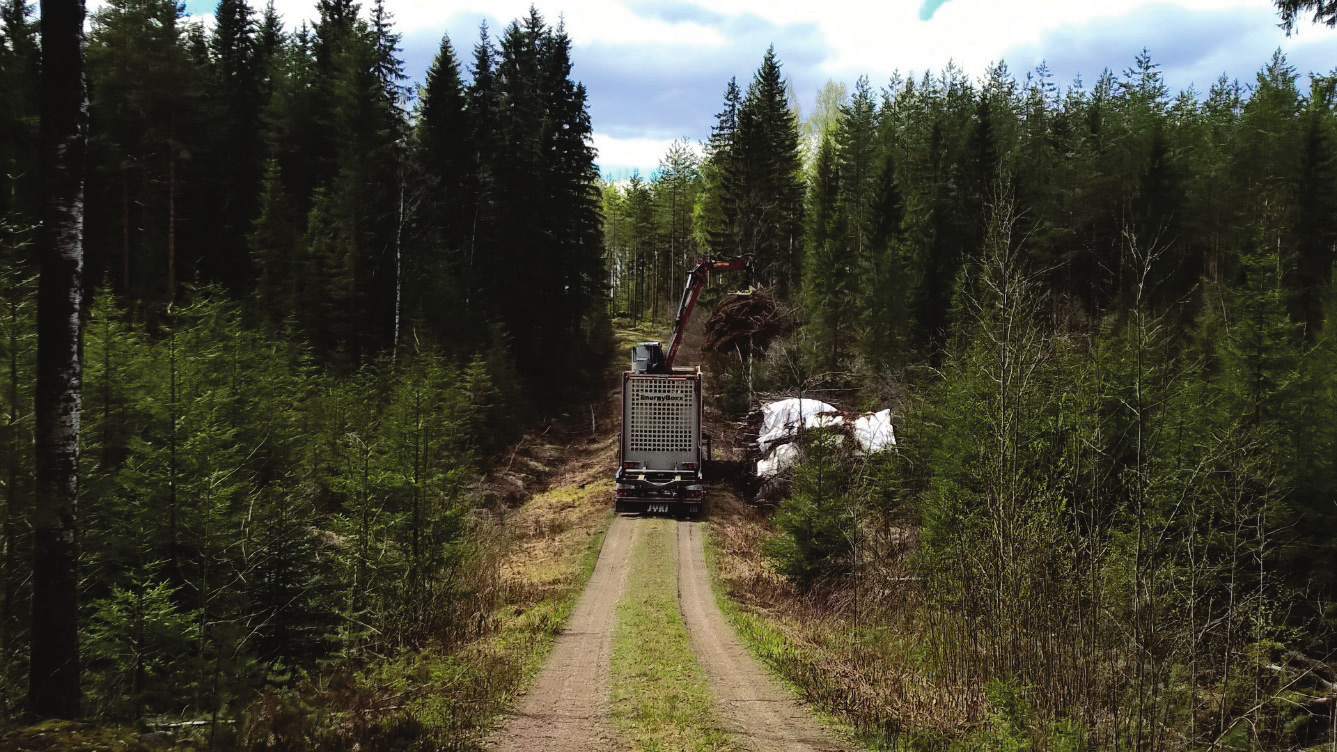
662	451
696	279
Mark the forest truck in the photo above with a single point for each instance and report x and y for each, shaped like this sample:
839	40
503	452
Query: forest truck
662	444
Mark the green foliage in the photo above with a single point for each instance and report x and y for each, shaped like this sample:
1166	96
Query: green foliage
753	200
139	647
18	355
1292	10
257	515
1102	315
820	517
19	74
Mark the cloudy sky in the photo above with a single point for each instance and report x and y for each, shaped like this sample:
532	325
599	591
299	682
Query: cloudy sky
656	69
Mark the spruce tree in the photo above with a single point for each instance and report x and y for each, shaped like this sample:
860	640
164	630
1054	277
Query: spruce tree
860	159
1310	274
442	164
19	74
886	306
146	106
717	212
574	178
770	184
18	287
830	271
443	139
276	247
237	80
676	186
1325	12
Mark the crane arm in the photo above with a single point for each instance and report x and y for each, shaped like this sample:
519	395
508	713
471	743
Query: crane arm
696	279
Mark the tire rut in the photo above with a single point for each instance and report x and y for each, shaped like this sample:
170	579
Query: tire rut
759	713
566	709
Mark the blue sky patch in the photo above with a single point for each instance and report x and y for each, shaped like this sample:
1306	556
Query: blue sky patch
930	7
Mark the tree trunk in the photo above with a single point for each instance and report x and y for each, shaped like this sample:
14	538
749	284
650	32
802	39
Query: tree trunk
125	230
53	688
399	271
171	209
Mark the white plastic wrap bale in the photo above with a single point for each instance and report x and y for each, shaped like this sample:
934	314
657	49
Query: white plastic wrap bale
781	420
874	432
781	458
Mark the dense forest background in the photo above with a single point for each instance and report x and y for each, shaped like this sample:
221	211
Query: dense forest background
317	304
1101	315
314	300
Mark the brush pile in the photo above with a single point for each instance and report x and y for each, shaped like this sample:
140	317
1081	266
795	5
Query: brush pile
745	322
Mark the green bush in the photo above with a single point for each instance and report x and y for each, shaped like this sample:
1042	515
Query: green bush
819	519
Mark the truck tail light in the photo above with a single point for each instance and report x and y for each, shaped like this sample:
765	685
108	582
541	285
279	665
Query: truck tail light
689	466
630	465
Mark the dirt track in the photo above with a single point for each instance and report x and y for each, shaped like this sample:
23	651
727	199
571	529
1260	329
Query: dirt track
759	713
567	707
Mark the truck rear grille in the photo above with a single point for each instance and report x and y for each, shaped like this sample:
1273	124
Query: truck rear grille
662	413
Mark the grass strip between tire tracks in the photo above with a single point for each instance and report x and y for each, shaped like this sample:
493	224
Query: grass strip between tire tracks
661	697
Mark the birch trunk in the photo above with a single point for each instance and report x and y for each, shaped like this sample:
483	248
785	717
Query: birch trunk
53	688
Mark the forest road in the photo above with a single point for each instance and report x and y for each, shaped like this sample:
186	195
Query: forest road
566	708
757	711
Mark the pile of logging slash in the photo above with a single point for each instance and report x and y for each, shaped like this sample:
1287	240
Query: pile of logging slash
745	322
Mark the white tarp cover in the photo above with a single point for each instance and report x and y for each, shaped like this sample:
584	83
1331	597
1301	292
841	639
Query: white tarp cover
874	431
782	458
781	420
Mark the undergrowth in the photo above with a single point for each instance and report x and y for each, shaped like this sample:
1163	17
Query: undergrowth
441	700
874	679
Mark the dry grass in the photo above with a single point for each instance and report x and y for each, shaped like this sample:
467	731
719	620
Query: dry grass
876	674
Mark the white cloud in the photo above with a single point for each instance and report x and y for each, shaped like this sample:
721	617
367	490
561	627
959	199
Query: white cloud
617	156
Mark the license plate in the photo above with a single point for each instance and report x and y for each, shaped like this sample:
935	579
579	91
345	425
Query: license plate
657	508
